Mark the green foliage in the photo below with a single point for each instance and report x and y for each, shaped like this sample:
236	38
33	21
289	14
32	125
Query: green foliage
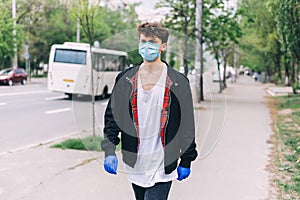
222	32
42	23
260	44
45	22
134	57
88	143
181	18
272	37
8	39
219	26
86	14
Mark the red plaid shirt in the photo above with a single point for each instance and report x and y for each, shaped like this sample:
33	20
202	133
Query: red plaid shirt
164	112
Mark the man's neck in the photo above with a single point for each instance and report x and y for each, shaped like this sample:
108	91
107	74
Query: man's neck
152	66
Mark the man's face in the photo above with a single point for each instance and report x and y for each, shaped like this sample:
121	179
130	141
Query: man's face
155	40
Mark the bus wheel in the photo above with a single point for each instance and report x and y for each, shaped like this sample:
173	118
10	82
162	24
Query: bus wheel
69	95
104	93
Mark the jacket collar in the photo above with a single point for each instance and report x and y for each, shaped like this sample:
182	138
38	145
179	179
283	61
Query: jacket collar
170	71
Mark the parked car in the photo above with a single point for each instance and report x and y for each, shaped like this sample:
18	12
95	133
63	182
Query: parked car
11	76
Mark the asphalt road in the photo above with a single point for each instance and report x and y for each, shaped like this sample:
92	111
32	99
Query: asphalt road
31	115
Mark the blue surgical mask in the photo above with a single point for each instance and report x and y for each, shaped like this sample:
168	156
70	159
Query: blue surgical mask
149	51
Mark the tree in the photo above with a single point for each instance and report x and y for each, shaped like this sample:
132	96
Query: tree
87	14
288	19
222	32
181	18
272	38
44	22
8	39
260	45
123	35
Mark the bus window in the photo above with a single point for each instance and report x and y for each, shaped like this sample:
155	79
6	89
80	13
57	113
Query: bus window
122	63
99	61
105	62
111	63
70	56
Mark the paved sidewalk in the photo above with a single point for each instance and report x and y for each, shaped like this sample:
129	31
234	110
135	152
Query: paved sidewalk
234	170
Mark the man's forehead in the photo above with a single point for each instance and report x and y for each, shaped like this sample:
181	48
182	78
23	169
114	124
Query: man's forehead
144	37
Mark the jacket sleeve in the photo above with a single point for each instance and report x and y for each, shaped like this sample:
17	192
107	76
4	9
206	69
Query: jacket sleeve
187	126
111	129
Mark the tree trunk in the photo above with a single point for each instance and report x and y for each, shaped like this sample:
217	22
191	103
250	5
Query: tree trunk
278	61
219	72
287	70
293	79
224	72
185	50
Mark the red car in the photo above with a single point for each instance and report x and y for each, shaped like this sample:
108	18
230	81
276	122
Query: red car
12	76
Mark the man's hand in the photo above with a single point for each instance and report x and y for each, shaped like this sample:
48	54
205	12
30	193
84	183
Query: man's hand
111	164
183	173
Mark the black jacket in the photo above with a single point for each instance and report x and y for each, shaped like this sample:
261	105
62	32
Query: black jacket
180	128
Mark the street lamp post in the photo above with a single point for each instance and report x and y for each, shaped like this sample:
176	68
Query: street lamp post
14	14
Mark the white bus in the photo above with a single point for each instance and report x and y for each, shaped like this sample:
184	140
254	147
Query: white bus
70	69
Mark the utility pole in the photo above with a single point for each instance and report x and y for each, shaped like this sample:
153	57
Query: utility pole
14	14
199	51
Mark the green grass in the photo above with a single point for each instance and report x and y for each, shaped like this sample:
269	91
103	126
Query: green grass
85	144
290	101
289	138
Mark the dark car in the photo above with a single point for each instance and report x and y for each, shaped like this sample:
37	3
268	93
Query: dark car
11	76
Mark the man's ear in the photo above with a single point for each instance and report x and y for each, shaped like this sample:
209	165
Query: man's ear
164	47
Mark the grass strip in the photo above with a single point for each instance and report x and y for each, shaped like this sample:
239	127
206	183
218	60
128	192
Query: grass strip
87	144
288	148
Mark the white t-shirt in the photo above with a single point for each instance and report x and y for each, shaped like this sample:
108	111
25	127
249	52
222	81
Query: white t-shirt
149	168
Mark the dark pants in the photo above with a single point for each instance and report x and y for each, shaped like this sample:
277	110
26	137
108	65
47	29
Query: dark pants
160	191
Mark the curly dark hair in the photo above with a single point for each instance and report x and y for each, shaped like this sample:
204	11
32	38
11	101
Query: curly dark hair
154	29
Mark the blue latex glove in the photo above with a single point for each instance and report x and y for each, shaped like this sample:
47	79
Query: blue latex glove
183	173
111	164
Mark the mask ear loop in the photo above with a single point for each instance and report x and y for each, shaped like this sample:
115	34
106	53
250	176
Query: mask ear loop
160	49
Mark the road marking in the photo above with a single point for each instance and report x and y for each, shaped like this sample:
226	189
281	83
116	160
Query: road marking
55	98
3	104
23	93
57	111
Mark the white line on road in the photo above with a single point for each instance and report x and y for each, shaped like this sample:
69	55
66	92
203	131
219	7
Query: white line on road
57	111
3	104
22	93
55	98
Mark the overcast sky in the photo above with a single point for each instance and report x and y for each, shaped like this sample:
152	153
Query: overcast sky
147	12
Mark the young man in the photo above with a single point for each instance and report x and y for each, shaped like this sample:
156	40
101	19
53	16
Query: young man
151	106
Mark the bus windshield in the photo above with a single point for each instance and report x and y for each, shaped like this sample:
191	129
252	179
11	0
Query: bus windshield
70	56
